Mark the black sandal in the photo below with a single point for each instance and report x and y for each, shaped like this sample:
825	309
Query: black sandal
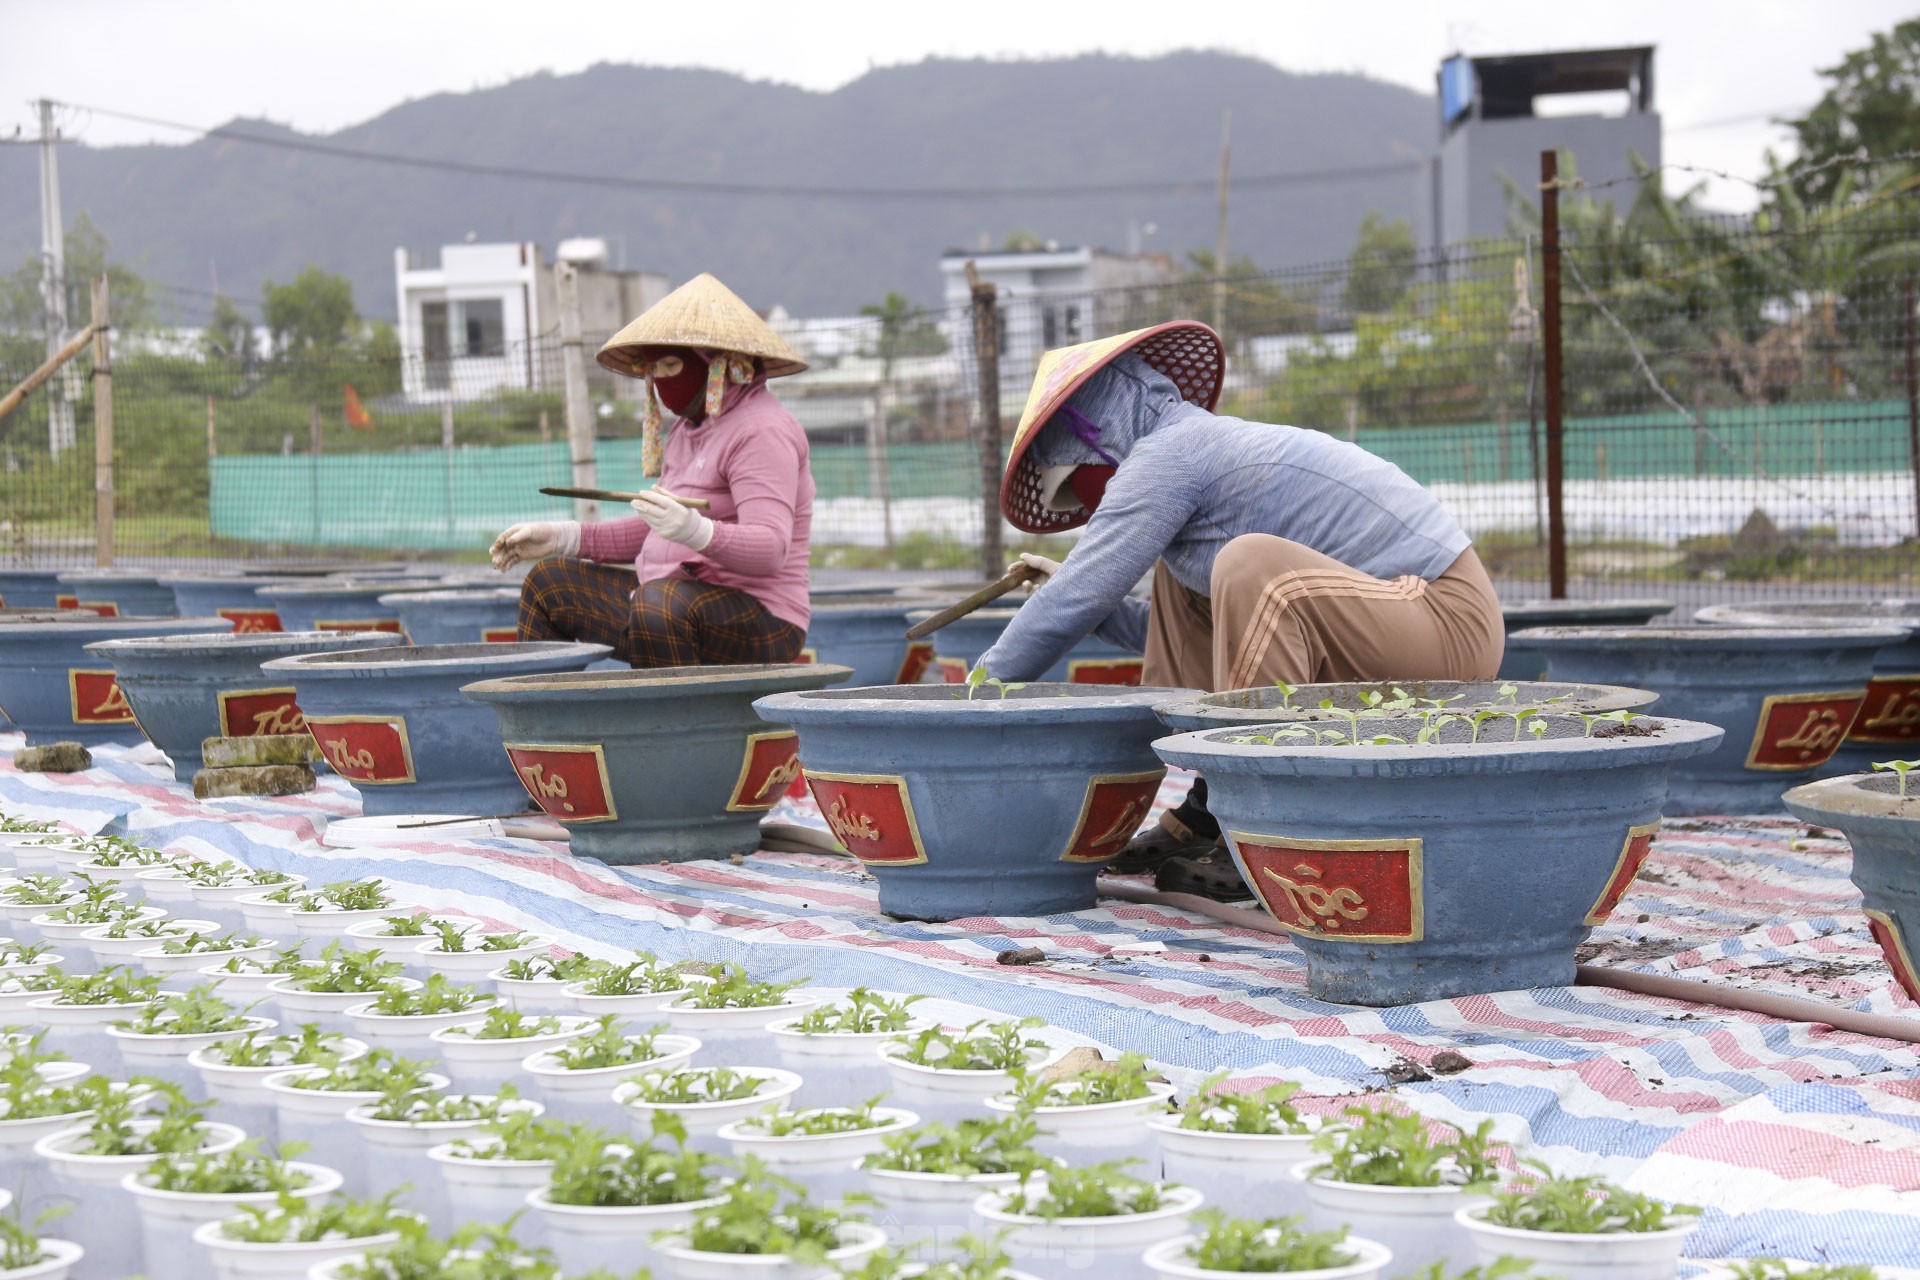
1207	875
1152	850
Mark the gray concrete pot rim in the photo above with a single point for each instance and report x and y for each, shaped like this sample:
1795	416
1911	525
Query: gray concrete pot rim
324	590
1708	639
249	642
452	595
116	628
27	570
1859	801
1037	703
49	614
230	578
642	683
1517	610
1599	697
477	659
1811	613
1213	751
122	577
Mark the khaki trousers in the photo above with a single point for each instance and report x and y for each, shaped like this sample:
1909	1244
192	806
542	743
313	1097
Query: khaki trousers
1283	611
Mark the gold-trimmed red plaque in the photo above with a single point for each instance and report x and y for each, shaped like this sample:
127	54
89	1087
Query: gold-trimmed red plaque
808	656
248	713
1369	890
499	635
251	621
952	670
95	697
1633	855
770	763
365	750
568	780
1801	731
914	663
871	815
1126	671
1114	807
1890	713
359	624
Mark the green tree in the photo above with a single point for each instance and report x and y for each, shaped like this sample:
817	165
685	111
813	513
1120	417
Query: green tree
23	310
312	317
1257	304
229	334
1871	105
1382	265
905	330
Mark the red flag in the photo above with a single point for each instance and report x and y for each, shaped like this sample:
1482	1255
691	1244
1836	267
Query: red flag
357	415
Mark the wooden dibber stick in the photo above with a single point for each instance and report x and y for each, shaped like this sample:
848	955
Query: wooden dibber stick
1017	576
614	495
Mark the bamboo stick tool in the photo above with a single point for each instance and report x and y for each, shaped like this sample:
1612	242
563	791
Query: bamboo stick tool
615	495
1017	576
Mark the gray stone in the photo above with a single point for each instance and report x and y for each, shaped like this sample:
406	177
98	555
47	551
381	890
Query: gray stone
53	757
258	780
262	749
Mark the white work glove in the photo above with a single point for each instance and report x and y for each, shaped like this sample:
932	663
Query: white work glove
1046	568
535	540
674	522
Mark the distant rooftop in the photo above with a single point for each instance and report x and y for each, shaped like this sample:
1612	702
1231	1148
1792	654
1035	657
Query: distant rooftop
1504	86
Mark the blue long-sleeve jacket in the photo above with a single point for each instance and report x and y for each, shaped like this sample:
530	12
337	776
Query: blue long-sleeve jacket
1188	483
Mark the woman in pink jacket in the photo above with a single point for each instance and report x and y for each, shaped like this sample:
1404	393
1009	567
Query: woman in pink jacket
673	586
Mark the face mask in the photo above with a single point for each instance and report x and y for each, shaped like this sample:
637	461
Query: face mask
1089	484
679	375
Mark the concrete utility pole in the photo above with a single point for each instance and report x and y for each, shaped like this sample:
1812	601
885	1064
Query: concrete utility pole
53	280
573	364
1220	231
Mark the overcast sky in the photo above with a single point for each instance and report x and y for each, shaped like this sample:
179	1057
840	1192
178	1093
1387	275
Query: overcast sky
320	66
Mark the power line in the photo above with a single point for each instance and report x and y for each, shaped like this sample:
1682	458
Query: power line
1165	186
1745	118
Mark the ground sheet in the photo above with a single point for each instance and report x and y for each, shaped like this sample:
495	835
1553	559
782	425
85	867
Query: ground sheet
1795	1139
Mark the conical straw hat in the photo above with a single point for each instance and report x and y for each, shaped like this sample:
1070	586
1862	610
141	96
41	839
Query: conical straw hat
701	313
1186	351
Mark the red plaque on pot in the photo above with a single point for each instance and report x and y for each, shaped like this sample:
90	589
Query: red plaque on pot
246	621
769	765
1799	731
568	781
1894	947
94	697
64	601
1115	806
246	713
359	624
365	750
807	657
952	670
1891	711
105	608
1105	670
499	635
1633	855
1339	890
914	665
872	815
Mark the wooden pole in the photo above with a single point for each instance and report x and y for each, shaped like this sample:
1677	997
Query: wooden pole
213	446
1550	325
986	351
573	366
313	467
102	425
1220	227
1913	397
32	382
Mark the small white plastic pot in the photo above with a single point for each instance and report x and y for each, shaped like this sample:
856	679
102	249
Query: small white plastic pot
243	1260
168	1219
241	1092
931	1208
108	951
61	1152
396	1155
713	1026
69	934
532	995
261	915
827	1162
616	1237
1114	1245
47	960
1621	1255
80	1030
156	959
474	966
645	1004
588	1093
166	1056
334	924
59	1260
859	1241
948	1093
1416	1223
1170	1260
222	901
39	854
1100	1125
409	1034
371	935
126	875
1248	1175
489	1190
328	1008
475	1063
317	1117
168	886
15	1001
706	1118
840	1068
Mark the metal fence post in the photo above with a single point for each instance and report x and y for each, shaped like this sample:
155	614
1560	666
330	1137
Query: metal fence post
102	425
1913	396
986	352
1550	325
573	364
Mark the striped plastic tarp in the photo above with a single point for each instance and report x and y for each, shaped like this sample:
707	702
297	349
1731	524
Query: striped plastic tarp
1795	1139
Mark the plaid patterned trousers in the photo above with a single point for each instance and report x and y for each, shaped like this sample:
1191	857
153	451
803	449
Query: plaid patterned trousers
669	622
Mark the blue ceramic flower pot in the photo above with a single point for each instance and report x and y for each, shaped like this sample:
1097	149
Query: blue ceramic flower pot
867	634
1785	697
1883	827
233	596
29	588
986	806
1408	872
117	593
392	721
1888	724
338	604
1523	663
471	615
1270	703
958	645
666	764
55	691
185	689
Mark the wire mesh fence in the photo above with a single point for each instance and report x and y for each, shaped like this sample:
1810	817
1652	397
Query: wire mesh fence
1740	408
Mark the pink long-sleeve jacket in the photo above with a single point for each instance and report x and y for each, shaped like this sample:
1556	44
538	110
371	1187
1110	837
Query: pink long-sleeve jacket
750	461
